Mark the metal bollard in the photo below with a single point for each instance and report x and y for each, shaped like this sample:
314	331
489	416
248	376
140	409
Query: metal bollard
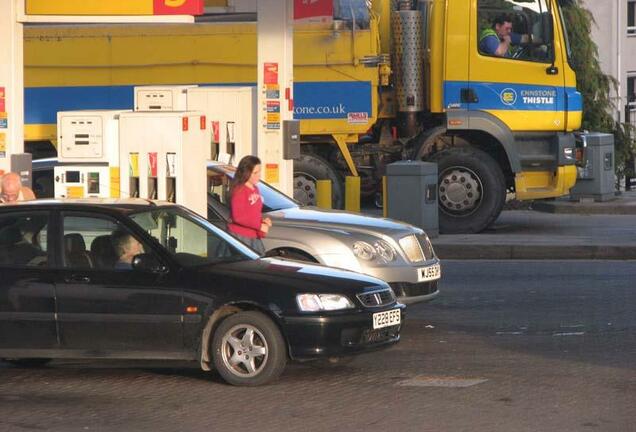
323	194
352	194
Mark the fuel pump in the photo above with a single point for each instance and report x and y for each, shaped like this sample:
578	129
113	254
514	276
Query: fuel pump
161	98
166	152
88	153
233	109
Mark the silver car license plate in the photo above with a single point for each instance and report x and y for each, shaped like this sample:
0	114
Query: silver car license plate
429	273
386	318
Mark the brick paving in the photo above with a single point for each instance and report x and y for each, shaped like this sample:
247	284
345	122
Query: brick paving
494	353
370	394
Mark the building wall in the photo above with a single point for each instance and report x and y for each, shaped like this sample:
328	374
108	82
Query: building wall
617	49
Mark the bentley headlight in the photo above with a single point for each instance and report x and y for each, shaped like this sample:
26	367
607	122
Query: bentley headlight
322	302
384	250
363	250
378	250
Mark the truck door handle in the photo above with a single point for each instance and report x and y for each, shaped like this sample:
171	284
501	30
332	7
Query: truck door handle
552	70
77	279
468	95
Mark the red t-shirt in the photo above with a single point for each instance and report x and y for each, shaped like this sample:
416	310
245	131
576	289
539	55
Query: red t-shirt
246	212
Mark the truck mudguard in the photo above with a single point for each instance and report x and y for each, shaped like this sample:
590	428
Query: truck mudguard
485	122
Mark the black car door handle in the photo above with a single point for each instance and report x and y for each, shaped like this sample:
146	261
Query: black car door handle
77	279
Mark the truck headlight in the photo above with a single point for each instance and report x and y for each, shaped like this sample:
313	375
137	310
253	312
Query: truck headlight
368	252
322	302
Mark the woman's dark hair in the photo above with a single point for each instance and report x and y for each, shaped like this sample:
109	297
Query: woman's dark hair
244	171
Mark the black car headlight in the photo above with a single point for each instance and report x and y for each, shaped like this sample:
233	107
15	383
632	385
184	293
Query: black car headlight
323	302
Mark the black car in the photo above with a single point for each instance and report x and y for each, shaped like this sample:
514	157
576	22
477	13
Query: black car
193	293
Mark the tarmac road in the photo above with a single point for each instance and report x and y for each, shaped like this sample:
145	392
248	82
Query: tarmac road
508	346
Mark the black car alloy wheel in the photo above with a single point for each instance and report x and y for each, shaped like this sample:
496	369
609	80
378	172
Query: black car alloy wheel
249	349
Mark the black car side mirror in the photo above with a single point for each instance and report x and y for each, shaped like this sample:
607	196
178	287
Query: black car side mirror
148	263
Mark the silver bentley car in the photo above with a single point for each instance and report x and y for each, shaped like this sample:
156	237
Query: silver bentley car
399	253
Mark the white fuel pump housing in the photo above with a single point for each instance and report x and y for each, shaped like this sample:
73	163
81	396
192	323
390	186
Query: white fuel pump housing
163	156
88	136
161	98
231	114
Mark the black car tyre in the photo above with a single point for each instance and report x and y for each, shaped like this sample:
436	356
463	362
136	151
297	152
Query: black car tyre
472	190
29	362
248	349
307	169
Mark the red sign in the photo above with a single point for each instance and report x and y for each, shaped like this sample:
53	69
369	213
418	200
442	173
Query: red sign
178	7
313	10
2	104
215	131
152	164
270	73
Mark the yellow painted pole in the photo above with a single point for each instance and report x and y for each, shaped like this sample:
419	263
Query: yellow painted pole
385	207
115	180
352	194
323	194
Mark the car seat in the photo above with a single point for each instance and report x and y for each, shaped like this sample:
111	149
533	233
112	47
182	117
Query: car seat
75	251
103	252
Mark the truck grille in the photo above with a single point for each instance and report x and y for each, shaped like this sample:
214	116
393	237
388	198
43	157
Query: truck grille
376	298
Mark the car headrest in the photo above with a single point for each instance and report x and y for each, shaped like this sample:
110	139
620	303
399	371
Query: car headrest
74	243
102	246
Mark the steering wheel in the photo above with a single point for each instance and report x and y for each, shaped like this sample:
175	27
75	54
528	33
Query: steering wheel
522	52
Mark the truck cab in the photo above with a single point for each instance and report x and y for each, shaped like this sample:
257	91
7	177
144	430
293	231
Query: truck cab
498	122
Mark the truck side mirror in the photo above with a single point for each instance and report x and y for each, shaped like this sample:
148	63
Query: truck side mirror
548	32
548	29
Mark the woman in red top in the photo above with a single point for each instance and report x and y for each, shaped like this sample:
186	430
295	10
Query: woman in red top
246	205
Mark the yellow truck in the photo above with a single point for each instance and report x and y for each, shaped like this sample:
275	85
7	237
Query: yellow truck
482	87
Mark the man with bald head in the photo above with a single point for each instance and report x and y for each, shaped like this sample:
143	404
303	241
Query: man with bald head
11	189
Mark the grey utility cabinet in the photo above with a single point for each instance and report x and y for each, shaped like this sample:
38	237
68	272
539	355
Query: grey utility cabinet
412	194
22	165
596	178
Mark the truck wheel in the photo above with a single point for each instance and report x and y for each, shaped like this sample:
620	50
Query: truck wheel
307	169
248	349
471	190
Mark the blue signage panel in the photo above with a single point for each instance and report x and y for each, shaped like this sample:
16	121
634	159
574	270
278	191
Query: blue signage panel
332	100
349	100
509	96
